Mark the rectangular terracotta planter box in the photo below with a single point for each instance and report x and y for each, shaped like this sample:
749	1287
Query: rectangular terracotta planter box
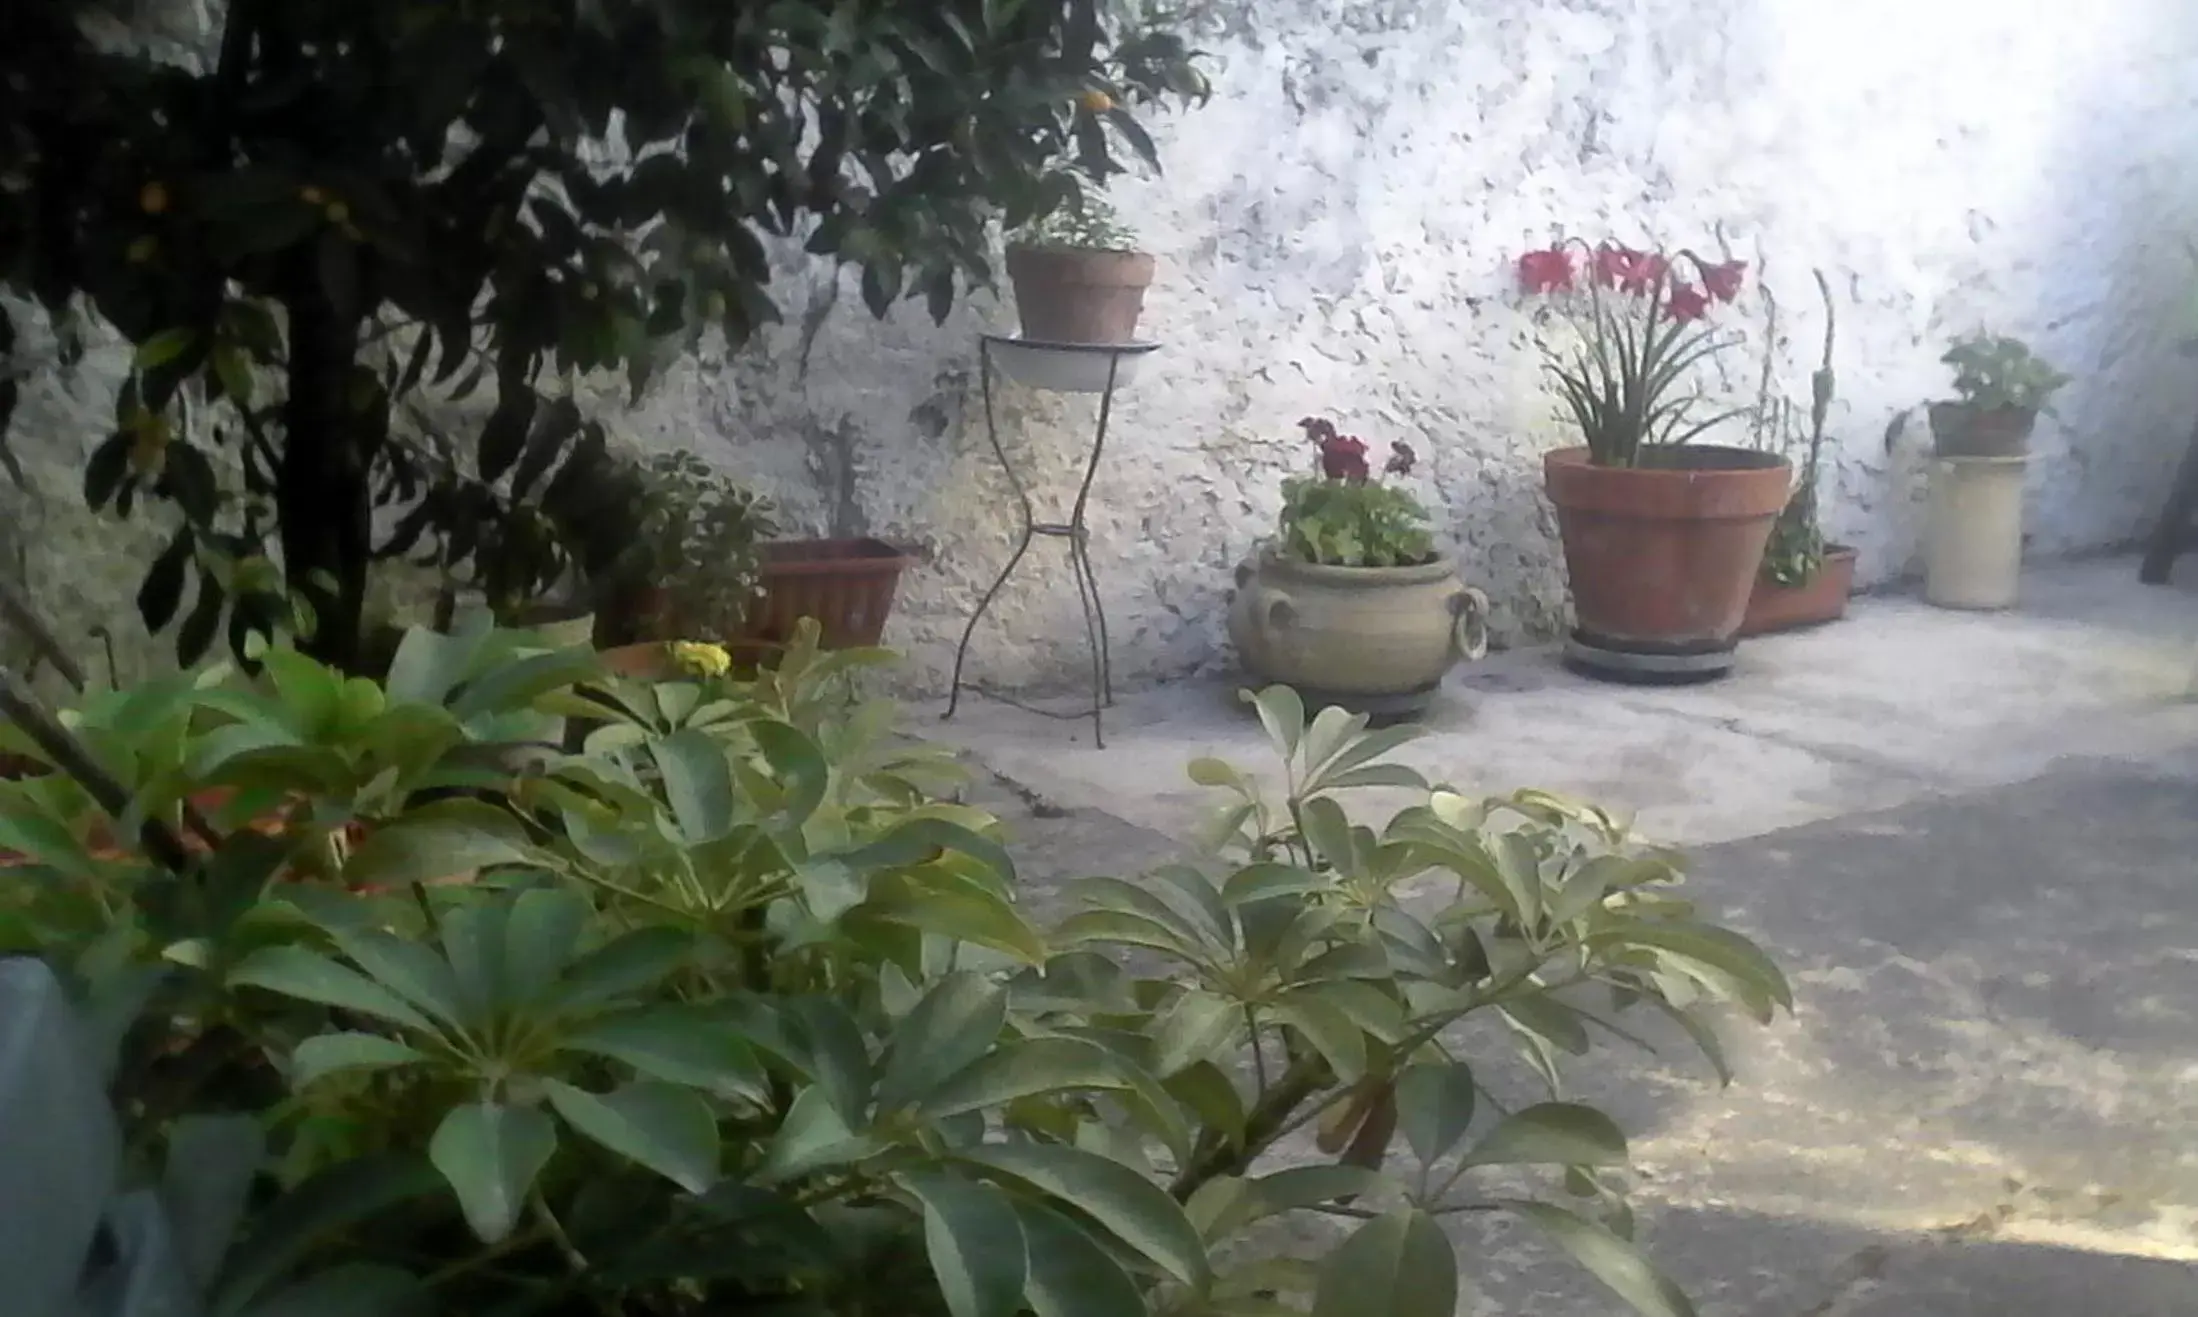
1773	607
846	585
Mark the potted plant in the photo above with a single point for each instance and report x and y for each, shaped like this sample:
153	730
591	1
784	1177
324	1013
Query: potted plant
1350	604
697	568
1078	275
674	554
1804	581
1973	536
1662	536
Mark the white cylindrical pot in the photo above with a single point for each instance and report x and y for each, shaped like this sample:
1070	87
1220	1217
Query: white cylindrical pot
1973	543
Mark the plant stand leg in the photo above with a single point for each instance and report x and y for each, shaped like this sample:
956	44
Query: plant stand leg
1073	531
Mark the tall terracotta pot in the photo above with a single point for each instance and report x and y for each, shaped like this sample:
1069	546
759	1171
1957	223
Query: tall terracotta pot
1662	557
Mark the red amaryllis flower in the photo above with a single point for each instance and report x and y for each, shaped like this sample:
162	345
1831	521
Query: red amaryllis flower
1628	270
1687	303
1343	457
1401	458
1647	271
1546	271
1723	281
1613	263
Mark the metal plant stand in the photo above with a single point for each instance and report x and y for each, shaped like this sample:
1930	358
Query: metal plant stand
1057	368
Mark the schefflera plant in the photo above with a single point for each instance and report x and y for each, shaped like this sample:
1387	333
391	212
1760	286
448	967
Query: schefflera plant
1316	994
731	1008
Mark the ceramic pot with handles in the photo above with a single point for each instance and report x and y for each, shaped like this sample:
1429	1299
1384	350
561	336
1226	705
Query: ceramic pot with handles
1372	639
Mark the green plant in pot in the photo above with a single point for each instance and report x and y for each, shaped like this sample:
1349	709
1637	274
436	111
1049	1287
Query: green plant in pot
690	563
1662	535
1804	580
1973	531
1078	273
1350	602
2001	387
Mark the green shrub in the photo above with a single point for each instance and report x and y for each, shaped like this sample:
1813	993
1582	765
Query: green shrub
733	1009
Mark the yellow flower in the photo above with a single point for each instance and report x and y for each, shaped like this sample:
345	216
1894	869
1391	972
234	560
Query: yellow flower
700	659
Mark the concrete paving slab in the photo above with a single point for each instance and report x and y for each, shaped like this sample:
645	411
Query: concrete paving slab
1899	702
1981	1105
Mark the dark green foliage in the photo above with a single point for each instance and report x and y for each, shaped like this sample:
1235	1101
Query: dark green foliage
339	208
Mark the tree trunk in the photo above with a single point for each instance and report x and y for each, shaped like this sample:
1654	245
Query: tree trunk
321	493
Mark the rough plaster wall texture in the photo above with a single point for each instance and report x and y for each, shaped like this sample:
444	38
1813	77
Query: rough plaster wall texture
1336	233
79	570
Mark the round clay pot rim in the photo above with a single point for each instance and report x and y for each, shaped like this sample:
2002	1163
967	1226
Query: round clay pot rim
1436	569
1580	457
1064	249
1688	494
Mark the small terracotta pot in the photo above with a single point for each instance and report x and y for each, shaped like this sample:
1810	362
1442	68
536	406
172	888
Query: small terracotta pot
1960	430
1662	558
1064	295
1822	598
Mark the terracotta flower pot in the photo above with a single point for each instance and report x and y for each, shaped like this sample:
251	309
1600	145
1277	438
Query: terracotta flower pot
1662	557
1066	295
1373	639
1822	598
848	586
1960	430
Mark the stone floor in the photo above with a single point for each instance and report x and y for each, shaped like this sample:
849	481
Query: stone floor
1972	840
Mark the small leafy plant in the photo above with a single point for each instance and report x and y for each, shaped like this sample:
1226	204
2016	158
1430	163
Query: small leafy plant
1640	327
1085	221
691	562
1342	516
1993	372
2002	387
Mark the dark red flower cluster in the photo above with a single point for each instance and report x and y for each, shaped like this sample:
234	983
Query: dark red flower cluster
1641	274
1342	456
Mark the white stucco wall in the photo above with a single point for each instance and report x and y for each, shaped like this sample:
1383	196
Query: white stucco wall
1336	234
